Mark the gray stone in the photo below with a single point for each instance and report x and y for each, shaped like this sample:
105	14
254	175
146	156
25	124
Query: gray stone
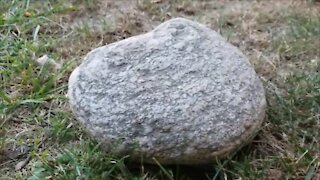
179	94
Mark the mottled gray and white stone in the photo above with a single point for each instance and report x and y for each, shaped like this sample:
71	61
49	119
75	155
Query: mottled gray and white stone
180	94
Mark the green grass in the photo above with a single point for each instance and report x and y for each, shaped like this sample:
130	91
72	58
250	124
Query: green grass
303	42
40	139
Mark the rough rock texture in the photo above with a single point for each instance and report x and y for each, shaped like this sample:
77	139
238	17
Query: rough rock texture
180	94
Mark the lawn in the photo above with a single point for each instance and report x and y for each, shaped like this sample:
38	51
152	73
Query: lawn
41	42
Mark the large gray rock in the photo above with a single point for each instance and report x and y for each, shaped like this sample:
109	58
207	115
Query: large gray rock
180	94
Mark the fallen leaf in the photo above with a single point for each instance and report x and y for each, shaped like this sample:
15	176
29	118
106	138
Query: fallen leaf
46	60
22	164
27	14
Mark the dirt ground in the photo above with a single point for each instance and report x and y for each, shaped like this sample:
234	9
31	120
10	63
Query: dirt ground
249	25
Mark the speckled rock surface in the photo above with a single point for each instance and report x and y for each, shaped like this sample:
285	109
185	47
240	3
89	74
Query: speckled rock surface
180	94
